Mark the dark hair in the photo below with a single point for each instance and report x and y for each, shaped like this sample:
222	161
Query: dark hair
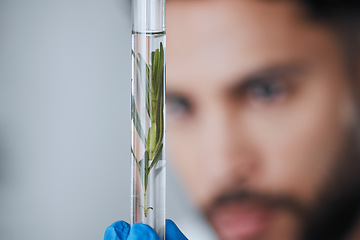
341	15
333	10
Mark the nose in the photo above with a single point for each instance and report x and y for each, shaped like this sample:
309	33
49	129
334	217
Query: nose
229	154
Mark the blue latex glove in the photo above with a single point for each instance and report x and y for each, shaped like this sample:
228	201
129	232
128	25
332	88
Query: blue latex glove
122	231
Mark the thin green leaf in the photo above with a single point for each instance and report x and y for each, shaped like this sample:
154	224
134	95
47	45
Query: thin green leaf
140	63
145	81
143	62
159	123
160	71
154	81
152	57
148	101
138	164
151	139
160	99
135	159
136	120
162	130
140	66
147	141
156	158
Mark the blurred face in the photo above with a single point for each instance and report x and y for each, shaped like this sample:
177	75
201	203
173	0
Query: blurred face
260	118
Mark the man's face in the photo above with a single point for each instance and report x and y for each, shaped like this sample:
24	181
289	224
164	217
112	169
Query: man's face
260	119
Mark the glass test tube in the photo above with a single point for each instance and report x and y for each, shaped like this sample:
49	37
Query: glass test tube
148	114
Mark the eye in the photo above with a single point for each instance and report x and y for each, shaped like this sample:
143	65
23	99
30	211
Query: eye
177	106
265	89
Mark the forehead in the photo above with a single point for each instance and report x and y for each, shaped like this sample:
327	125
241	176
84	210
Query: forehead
223	39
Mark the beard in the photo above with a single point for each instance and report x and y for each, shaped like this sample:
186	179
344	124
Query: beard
337	209
334	213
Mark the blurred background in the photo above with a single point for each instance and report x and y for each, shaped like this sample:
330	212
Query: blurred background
65	72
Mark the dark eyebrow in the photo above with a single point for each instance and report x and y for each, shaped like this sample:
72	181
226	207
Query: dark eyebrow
273	72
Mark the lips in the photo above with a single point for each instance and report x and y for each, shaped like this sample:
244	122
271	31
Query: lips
240	221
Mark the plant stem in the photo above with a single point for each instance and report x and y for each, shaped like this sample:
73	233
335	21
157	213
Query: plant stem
145	204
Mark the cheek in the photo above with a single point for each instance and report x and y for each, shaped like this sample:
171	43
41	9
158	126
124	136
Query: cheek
200	157
301	142
186	155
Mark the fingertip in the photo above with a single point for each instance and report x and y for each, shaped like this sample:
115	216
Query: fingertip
170	224
172	232
120	225
117	231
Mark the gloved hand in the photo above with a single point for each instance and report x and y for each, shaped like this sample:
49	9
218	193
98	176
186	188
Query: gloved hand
122	231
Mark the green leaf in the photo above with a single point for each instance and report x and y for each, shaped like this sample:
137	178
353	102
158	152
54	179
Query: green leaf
152	57
136	120
156	158
160	67
160	100
151	139
154	82
138	164
145	80
133	154
140	64
143	63
135	159
159	120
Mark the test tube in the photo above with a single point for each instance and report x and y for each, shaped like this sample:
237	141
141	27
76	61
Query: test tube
148	114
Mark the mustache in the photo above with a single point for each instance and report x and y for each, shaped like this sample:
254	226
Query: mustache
271	201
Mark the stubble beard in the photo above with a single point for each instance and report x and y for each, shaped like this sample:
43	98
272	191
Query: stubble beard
335	214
